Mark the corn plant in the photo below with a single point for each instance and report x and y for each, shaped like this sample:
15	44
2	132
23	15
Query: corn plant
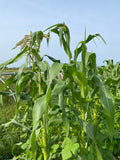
111	72
68	109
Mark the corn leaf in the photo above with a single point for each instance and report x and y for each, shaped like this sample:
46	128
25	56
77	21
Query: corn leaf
33	145
52	59
107	103
90	37
54	70
99	156
15	59
38	110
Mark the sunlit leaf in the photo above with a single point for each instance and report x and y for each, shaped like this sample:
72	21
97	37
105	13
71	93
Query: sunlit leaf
59	87
38	110
54	70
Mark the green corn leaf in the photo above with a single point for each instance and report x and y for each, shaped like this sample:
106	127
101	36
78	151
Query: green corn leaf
59	87
38	110
83	57
54	26
89	129
43	65
90	37
67	35
9	81
66	123
82	78
54	70
48	95
51	27
20	71
107	103
62	106
22	81
13	121
99	156
55	30
114	80
66	48
33	145
34	36
85	34
61	36
35	54
64	36
82	81
33	88
25	96
54	121
7	93
90	57
79	66
78	50
52	59
76	113
39	37
15	59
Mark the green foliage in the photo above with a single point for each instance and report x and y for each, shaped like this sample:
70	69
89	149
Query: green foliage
64	111
69	149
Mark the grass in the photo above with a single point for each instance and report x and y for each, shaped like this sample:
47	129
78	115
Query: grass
11	135
8	109
7	112
8	136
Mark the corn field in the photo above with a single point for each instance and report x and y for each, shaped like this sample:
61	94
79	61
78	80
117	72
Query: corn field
71	111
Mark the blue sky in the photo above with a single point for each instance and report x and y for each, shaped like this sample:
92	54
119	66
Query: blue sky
19	17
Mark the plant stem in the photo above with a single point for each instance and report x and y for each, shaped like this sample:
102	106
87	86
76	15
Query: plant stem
83	57
44	140
95	111
39	79
83	114
83	118
43	126
64	116
69	60
61	101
